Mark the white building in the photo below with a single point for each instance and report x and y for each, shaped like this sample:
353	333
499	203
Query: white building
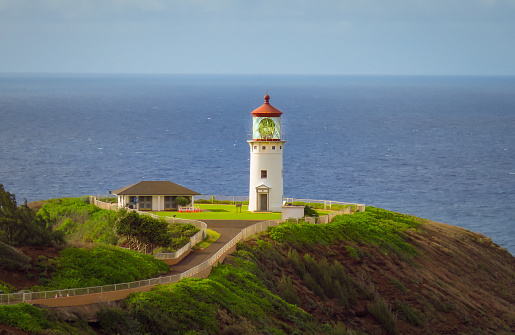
266	159
153	195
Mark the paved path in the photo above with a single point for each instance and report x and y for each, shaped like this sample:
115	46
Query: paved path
227	229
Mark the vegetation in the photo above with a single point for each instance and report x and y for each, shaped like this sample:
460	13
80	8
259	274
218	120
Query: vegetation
145	233
103	265
24	317
196	306
309	211
35	320
80	221
182	201
211	237
379	273
12	259
213	200
222	212
383	313
318	205
374	226
142	232
20	226
6	287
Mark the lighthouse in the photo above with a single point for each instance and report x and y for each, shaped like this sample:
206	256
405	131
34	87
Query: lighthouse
266	159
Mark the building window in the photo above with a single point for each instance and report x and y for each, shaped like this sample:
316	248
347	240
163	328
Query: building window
263	147
280	147
263	174
273	147
255	147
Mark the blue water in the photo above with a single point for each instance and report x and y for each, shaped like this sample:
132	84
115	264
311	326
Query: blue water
436	147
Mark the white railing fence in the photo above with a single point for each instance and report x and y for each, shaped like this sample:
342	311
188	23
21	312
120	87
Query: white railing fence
232	199
327	204
15	298
25	296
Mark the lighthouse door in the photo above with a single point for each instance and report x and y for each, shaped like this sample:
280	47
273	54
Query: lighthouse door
263	201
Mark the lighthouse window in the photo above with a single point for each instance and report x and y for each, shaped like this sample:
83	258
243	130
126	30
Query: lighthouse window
263	174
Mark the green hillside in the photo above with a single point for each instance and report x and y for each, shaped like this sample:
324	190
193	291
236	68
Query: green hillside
376	272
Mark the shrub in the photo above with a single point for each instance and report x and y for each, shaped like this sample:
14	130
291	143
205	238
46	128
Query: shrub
78	267
309	211
114	321
194	304
296	262
409	314
312	284
79	220
24	317
376	226
287	291
382	312
354	253
399	285
182	201
6	287
12	259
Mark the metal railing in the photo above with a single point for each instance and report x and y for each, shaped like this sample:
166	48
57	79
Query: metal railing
230	198
15	298
327	204
199	236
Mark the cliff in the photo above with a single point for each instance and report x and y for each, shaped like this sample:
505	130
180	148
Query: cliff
376	272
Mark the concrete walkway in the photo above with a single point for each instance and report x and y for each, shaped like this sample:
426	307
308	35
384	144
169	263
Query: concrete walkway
227	229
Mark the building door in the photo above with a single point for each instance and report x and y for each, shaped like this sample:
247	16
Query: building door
263	202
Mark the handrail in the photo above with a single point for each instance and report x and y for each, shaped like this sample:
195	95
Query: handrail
15	298
199	236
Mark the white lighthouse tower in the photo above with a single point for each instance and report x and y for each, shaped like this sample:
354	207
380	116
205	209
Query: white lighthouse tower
266	159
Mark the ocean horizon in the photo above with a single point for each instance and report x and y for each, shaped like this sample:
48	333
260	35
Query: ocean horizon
436	147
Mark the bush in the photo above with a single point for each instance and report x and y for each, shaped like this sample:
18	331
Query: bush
115	321
376	226
382	312
287	291
409	314
196	305
25	317
12	259
6	287
78	267
182	201
80	221
309	211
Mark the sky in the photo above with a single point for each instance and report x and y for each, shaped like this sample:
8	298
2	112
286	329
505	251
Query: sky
328	37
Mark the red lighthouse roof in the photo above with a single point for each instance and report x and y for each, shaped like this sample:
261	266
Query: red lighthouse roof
266	110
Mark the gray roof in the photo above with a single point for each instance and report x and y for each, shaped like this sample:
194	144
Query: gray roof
154	188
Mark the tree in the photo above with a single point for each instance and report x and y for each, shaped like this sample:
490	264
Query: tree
10	224
20	225
182	201
142	232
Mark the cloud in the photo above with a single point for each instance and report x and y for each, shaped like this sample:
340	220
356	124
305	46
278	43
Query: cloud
262	10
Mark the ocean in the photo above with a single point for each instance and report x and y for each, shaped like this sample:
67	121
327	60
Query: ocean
441	148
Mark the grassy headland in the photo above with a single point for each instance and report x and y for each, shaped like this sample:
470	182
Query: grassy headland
376	272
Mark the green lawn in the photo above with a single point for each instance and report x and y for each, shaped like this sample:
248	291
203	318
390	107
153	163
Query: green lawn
222	212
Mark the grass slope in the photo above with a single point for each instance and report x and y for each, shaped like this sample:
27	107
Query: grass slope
103	265
371	273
